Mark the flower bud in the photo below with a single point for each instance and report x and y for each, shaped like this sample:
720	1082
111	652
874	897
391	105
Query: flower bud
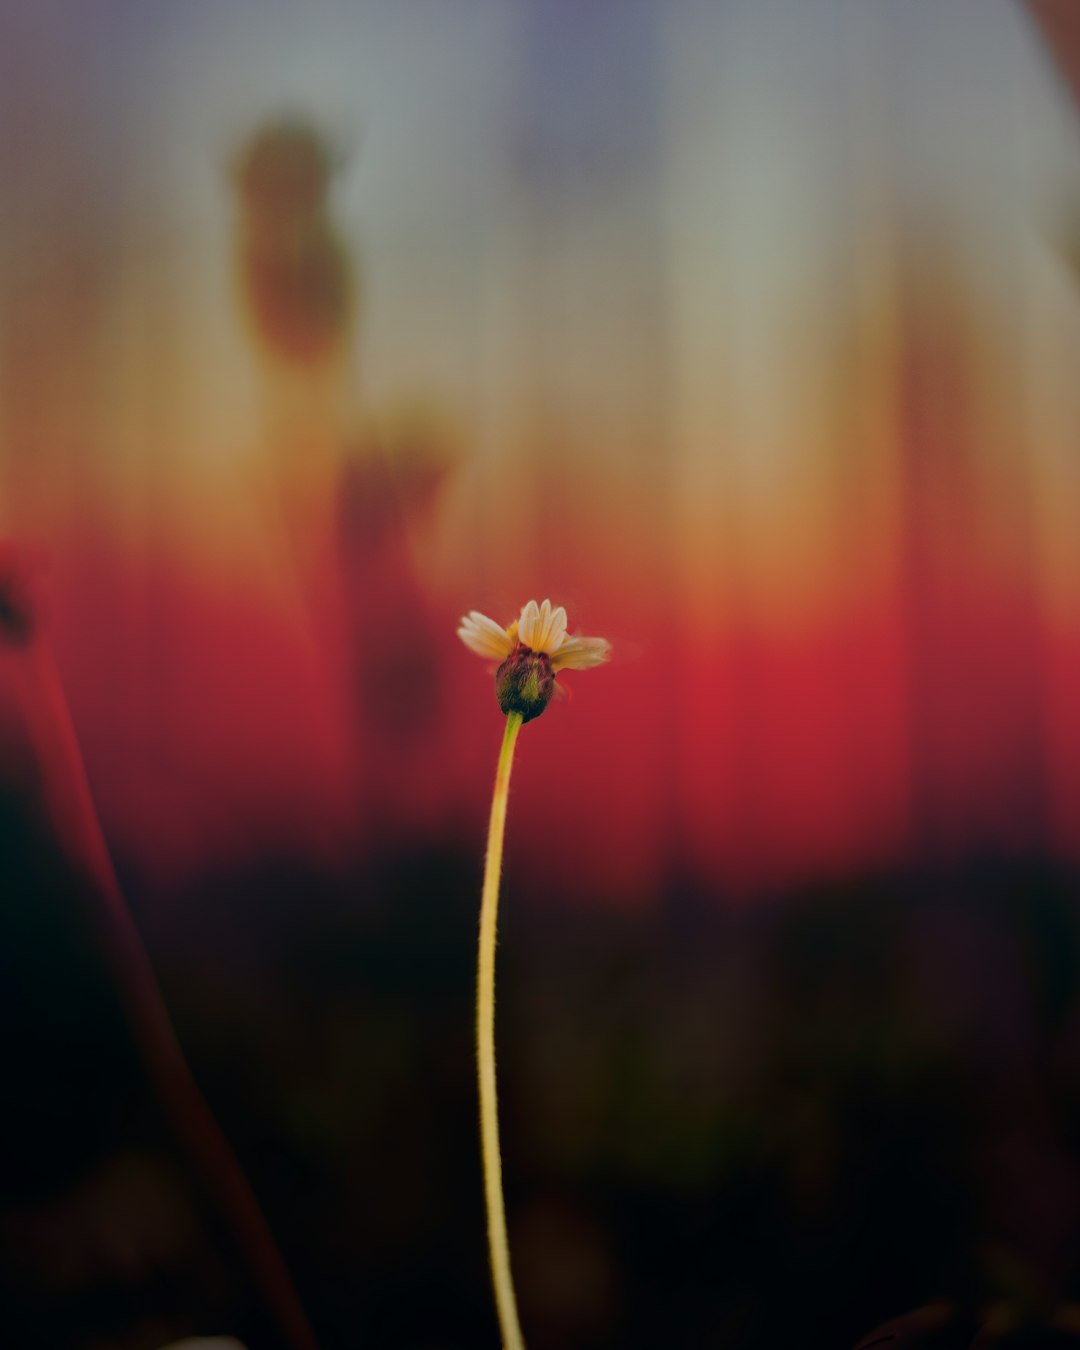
524	683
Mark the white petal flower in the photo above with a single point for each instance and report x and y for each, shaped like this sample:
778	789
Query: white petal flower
485	637
531	652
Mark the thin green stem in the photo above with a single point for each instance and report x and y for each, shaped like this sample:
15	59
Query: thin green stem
498	1247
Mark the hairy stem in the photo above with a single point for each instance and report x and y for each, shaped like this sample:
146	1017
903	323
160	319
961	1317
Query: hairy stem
498	1247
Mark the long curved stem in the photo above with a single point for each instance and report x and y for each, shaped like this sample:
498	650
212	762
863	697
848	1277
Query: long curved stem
498	1247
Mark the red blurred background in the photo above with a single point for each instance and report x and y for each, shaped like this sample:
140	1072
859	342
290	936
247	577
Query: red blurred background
745	334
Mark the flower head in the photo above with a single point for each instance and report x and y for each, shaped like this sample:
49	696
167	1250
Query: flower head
531	651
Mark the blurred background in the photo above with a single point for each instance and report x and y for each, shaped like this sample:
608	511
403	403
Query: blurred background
748	330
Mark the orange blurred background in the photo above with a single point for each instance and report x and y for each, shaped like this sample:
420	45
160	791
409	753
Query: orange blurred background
748	334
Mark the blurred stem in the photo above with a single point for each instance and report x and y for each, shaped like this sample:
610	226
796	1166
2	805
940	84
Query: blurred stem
498	1247
71	811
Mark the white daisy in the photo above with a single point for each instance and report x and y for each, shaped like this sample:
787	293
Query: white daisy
539	628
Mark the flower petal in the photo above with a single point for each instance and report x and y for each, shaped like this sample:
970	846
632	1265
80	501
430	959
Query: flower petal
581	653
542	628
528	624
485	637
556	633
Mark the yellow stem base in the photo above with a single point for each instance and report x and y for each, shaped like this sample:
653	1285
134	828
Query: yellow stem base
498	1246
